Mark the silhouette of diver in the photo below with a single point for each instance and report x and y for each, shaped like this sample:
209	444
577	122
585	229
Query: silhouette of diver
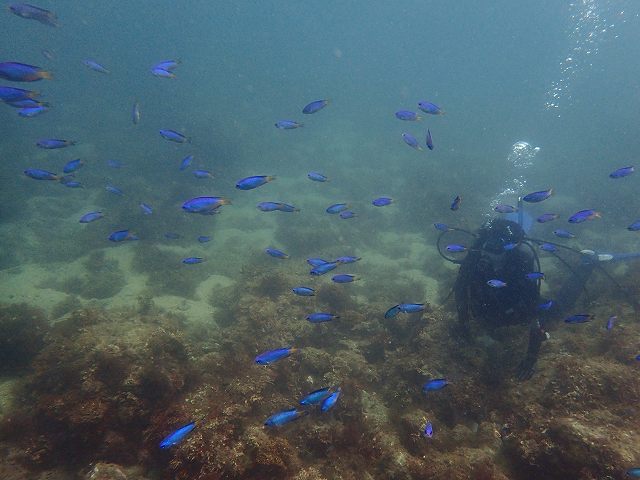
502	251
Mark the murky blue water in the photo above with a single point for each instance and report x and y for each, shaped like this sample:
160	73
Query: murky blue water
561	76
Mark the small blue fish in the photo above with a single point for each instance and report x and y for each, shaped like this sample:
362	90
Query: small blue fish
347	259
502	208
135	113
114	190
67	178
382	201
52	143
13	94
146	208
622	172
285	416
316	262
202	174
91	217
324	268
536	197
38	174
548	247
204	239
441	227
343	278
611	322
73	165
122	235
634	227
534	276
288	124
172	236
276	206
430	108
407	115
271	356
393	311
347	214
633	472
427	431
546	305
256	181
174	136
168	65
304	291
583	216
456	248
510	246
21	72
455	205
26	103
563	233
321	317
71	183
176	437
411	141
330	402
162	73
285	207
315	397
337	208
30	112
275	253
435	384
429	140
317	177
31	12
411	307
578	318
186	161
192	260
315	106
95	66
495	283
268	206
114	164
204	205
547	217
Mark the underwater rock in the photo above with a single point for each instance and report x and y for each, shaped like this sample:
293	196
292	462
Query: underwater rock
66	305
105	471
93	388
23	330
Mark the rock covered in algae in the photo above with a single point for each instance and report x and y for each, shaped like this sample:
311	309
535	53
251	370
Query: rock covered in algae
95	385
22	336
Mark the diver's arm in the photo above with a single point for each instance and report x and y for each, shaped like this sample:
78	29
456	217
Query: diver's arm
527	366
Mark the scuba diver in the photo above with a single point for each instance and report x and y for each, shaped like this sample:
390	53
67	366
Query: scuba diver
498	283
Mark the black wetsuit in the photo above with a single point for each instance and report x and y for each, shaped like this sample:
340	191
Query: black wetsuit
510	305
491	258
517	302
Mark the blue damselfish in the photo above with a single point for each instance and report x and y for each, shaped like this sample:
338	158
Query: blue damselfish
176	437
